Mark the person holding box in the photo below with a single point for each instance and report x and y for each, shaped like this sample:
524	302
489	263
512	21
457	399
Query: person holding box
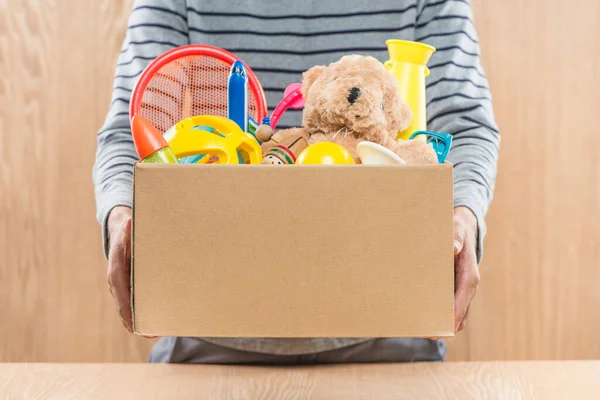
280	40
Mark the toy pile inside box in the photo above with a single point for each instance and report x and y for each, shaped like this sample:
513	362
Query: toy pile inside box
201	104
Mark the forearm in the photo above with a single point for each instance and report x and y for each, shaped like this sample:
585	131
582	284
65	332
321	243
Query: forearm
113	175
459	102
474	156
154	27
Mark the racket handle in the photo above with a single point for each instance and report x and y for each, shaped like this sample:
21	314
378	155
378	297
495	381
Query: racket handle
237	95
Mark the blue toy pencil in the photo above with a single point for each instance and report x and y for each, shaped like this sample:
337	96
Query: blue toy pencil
237	95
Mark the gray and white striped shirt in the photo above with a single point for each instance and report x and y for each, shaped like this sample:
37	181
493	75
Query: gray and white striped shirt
281	39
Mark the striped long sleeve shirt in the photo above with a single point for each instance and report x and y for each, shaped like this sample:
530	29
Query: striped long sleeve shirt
281	39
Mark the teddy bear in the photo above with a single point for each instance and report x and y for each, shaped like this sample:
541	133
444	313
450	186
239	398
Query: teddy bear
352	100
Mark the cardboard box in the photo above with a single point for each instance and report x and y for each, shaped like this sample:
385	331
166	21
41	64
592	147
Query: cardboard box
293	251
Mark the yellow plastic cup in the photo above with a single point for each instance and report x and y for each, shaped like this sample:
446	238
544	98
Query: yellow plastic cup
408	62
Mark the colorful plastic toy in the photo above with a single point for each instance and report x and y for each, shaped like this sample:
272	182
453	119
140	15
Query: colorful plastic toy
225	142
408	62
191	159
150	145
252	126
255	129
237	95
375	154
325	153
190	80
441	142
292	98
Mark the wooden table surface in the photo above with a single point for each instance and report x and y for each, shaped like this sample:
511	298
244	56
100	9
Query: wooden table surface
499	380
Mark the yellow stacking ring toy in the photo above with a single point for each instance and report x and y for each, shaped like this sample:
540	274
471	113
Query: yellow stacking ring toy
227	139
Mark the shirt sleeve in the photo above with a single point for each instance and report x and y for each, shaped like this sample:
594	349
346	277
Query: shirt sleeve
154	27
459	102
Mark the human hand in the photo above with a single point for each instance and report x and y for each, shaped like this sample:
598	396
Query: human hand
466	270
119	262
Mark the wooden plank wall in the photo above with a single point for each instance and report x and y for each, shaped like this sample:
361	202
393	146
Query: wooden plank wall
540	292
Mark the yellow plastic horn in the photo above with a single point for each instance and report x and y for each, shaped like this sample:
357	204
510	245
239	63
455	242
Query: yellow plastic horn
184	140
408	62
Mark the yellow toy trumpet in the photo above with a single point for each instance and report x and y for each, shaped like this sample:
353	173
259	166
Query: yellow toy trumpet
408	62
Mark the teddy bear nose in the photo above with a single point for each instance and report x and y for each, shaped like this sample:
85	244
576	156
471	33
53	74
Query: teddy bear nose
354	94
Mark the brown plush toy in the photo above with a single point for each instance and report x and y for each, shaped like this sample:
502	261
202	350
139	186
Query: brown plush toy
352	100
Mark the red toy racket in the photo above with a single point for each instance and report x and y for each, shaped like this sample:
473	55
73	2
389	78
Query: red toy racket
188	81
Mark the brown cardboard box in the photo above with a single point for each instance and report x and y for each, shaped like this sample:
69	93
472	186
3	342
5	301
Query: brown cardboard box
293	251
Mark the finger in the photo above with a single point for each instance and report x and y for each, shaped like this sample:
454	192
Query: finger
113	263
114	282
461	310
120	275
125	282
467	280
463	323
462	299
460	233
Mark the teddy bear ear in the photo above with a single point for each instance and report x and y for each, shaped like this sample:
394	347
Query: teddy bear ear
309	77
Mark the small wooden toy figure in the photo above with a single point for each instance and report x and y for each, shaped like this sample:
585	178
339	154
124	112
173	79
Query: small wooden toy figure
284	147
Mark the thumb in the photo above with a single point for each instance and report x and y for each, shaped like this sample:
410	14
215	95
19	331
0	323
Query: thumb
127	239
127	227
458	244
460	231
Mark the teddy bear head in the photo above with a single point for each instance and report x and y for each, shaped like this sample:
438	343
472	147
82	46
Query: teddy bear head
355	96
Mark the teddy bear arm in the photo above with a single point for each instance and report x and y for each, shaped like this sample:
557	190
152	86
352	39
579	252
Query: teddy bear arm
414	151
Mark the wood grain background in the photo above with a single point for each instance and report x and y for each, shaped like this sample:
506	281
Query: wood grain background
540	292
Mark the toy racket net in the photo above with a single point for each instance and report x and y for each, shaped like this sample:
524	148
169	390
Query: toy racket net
189	81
